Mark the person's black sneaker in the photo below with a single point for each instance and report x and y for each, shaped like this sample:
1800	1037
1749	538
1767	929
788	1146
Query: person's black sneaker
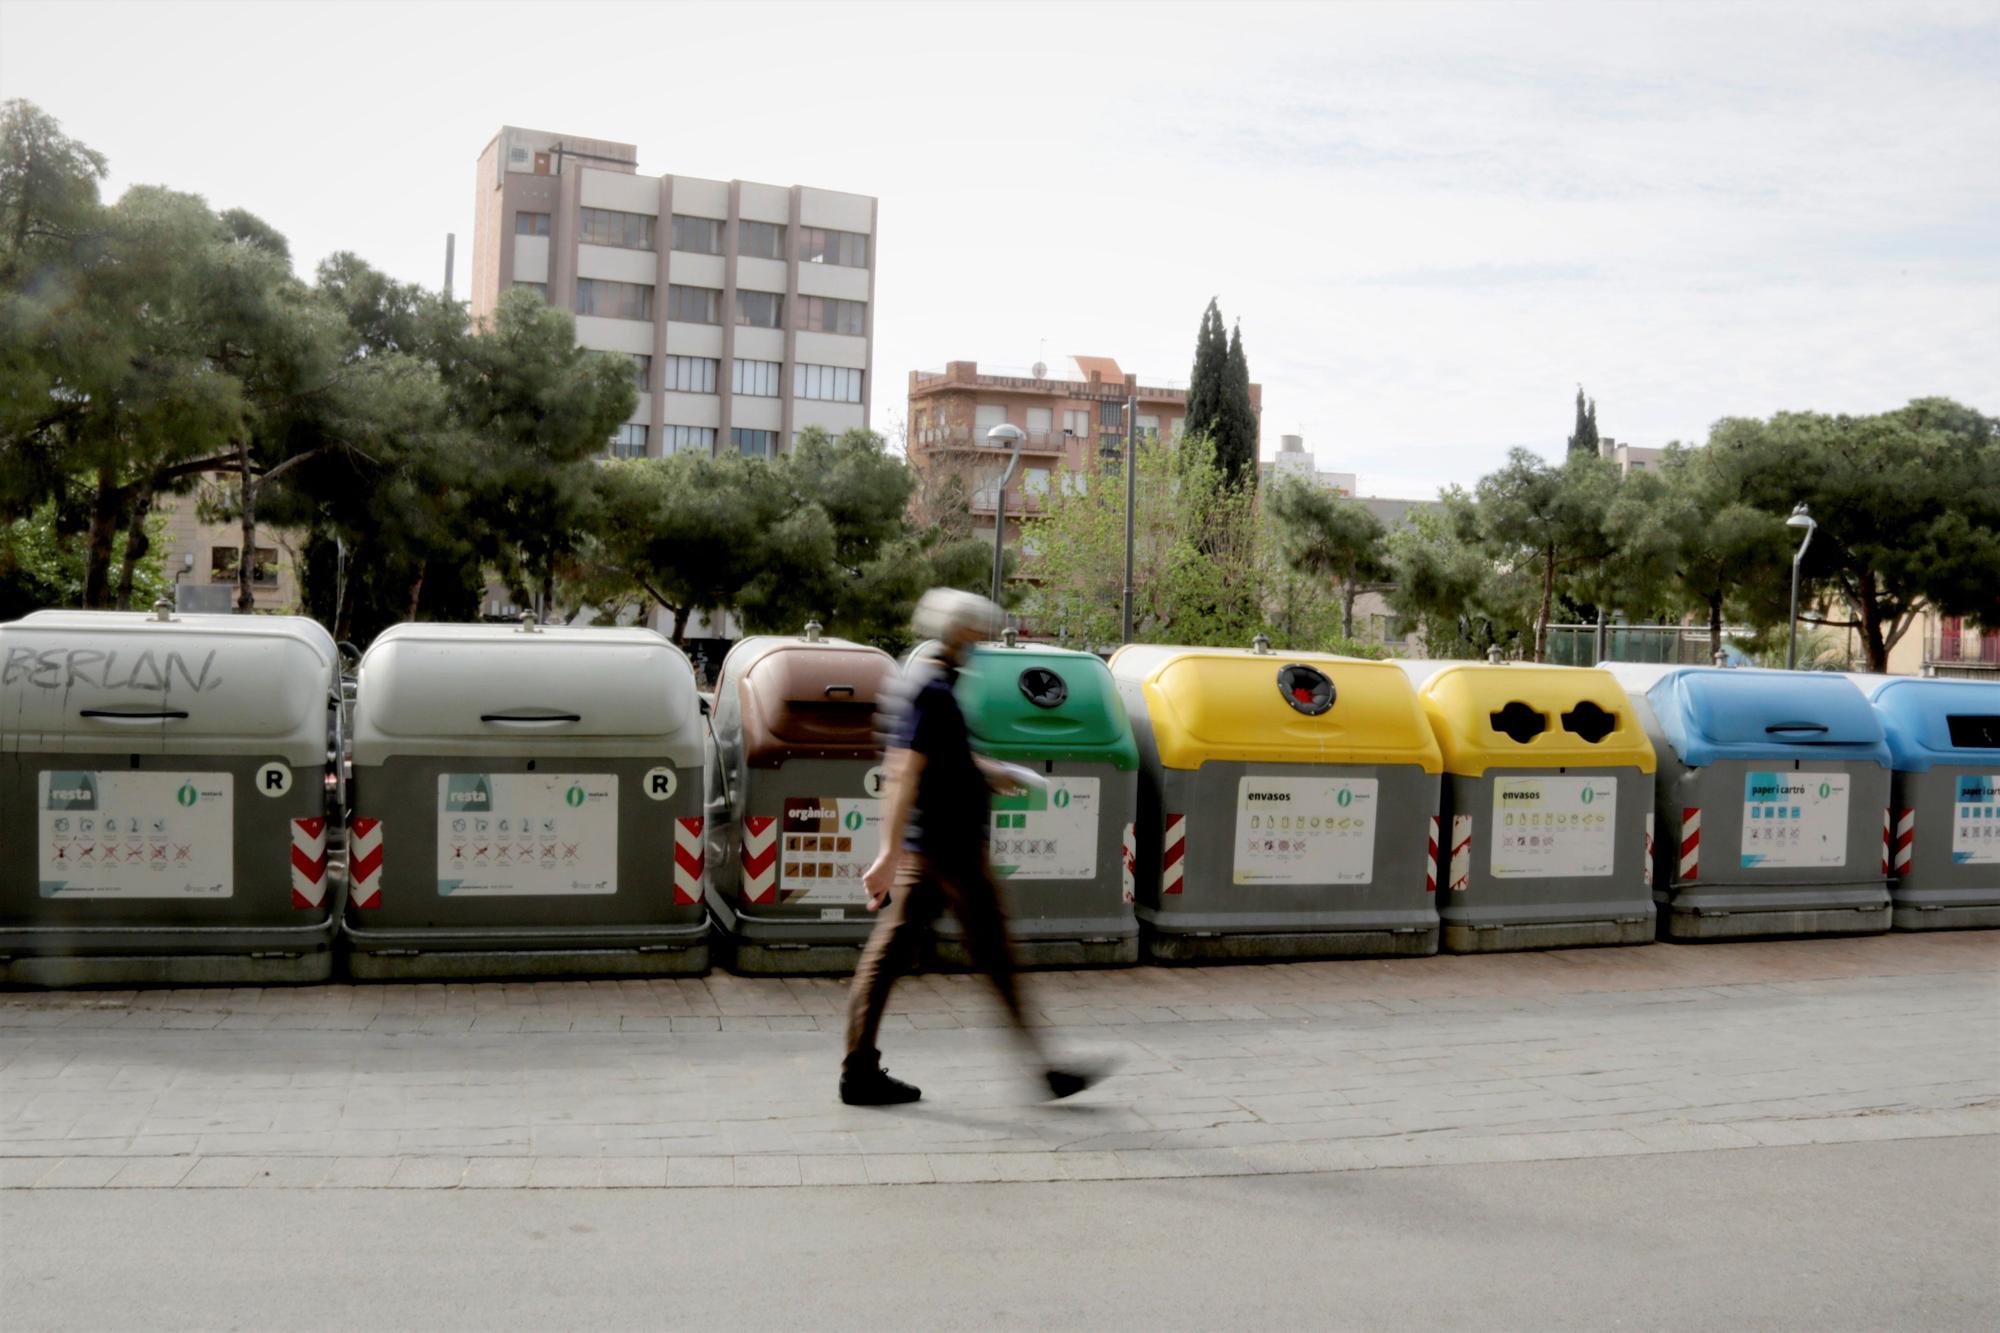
874	1087
1069	1082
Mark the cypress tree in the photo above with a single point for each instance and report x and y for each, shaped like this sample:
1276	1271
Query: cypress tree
1205	381
1583	437
1236	426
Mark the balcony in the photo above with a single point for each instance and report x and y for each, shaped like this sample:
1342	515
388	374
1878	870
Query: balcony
965	375
974	437
1963	656
1019	502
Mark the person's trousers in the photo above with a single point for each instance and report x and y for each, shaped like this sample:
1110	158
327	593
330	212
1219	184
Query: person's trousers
925	888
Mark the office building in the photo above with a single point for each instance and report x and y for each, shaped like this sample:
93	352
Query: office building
747	309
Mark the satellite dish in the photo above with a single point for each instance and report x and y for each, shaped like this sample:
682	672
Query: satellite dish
1041	370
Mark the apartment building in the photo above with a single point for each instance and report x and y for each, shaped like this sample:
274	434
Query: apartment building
1072	415
747	310
1295	462
1630	458
201	558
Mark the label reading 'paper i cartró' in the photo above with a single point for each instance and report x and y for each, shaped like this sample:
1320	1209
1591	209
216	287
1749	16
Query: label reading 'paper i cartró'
1975	824
1795	819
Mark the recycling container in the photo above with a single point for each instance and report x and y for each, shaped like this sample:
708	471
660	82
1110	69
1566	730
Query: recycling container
165	799
1772	801
525	801
795	800
1547	806
1063	857
1287	804
1944	738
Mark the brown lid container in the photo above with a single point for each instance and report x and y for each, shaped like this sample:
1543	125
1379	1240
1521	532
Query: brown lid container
813	701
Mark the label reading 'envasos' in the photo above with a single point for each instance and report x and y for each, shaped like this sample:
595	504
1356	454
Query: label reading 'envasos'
1549	827
1305	830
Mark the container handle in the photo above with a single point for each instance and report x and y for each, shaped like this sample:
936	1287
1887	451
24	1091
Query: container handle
113	715
1781	727
530	719
847	690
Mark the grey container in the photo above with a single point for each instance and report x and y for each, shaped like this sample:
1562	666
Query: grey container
794	801
1944	736
526	802
1231	746
1772	802
1547	813
164	788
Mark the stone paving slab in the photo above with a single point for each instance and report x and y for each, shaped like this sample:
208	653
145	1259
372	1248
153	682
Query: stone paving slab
727	1081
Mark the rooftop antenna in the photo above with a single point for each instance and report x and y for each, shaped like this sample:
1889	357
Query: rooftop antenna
450	244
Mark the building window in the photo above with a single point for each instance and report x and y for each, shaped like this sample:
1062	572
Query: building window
760	240
759	379
988	415
1041	421
613	300
694	305
642	371
825	314
540	289
691	374
760	310
849	249
531	224
686	439
827	384
754	443
1110	416
223	567
629	441
604	226
1077	424
698	236
1149	429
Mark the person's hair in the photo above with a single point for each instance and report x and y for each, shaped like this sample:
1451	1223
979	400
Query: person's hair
949	613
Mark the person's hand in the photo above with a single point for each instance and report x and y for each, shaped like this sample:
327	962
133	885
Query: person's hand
879	878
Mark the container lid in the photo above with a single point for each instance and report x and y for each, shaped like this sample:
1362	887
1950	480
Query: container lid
1711	713
1513	715
1036	702
811	699
1277	707
101	678
1938	721
499	683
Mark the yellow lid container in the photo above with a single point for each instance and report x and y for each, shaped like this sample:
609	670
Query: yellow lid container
1276	707
1519	715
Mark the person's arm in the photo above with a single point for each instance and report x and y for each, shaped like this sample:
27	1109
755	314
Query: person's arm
901	768
998	779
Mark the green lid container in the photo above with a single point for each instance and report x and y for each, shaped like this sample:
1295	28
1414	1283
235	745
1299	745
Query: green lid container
1032	703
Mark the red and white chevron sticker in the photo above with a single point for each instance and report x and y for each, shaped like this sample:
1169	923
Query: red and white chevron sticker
1461	852
1129	863
1431	859
1906	840
1690	843
687	861
1888	819
1649	850
308	862
364	862
1173	853
760	858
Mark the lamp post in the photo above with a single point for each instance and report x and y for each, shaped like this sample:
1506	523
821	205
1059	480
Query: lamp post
1799	519
1131	500
1003	436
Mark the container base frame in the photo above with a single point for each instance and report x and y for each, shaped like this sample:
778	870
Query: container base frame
1679	923
674	960
1035	954
1527	936
67	971
1287	946
1953	916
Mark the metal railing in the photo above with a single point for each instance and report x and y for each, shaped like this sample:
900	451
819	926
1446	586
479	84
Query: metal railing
1671	645
974	437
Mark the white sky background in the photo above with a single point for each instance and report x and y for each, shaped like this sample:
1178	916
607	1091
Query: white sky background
1433	221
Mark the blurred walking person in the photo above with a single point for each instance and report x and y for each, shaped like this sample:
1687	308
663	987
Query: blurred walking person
934	844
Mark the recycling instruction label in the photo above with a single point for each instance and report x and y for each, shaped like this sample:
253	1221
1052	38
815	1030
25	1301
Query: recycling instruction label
136	835
1975	824
1795	819
1048	834
1545	827
521	834
824	845
1305	830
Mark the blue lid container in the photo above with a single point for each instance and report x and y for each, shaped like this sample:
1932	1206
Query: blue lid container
1709	714
1939	721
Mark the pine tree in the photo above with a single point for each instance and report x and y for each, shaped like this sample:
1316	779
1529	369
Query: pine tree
1583	438
1236	424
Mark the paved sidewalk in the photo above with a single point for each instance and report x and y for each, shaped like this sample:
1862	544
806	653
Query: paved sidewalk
1226	1071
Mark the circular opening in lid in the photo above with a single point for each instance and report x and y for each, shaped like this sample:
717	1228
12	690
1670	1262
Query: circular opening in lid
1305	689
1044	688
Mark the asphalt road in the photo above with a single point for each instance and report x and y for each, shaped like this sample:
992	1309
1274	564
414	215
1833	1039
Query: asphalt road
1901	1235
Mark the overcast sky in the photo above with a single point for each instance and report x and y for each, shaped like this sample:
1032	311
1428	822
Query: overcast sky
1432	221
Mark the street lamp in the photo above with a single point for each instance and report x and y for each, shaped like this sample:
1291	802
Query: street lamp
1131	498
1003	436
1799	519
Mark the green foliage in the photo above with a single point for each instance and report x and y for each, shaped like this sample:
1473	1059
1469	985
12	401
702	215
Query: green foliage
1334	538
1543	527
1583	436
1219	412
43	565
1207	379
1199	562
1447	588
